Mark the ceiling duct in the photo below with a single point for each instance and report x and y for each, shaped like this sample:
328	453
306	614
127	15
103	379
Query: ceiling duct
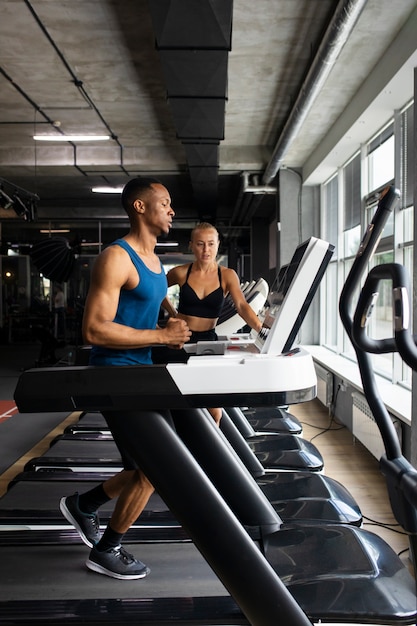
340	27
251	194
252	184
193	40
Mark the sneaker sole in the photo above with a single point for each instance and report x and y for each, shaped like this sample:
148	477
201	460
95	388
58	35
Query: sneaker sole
68	516
95	567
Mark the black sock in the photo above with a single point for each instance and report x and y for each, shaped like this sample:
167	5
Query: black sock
109	539
90	501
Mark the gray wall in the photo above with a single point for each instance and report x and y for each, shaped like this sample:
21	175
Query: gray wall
299	216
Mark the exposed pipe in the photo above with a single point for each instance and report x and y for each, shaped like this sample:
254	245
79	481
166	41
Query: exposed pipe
335	37
255	187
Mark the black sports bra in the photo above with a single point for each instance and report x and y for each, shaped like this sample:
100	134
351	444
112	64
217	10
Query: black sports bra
191	304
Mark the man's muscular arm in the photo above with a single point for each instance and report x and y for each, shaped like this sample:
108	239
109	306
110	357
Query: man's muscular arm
112	271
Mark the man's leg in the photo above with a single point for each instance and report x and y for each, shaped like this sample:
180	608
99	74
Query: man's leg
133	490
81	509
216	415
108	556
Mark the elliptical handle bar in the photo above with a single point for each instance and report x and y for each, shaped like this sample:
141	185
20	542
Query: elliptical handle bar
400	475
370	240
401	309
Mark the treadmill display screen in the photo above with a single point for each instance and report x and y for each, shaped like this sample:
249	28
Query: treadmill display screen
297	284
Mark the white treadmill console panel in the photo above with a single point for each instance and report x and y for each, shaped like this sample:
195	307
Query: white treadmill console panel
299	281
240	370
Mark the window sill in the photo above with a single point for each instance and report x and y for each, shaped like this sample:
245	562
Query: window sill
396	399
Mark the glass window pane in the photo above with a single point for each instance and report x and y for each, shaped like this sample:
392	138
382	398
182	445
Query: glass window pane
352	193
352	239
408	262
408	223
331	312
331	212
381	164
379	139
380	323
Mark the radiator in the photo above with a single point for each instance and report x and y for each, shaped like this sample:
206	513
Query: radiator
365	429
324	385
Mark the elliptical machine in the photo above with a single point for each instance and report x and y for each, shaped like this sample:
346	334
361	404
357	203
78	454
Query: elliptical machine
400	475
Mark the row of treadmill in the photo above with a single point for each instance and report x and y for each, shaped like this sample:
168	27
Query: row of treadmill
245	527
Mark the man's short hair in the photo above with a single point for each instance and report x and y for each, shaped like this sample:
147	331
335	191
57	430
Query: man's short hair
134	189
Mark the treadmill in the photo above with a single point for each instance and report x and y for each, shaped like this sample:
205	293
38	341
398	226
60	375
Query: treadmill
274	451
290	574
344	551
296	497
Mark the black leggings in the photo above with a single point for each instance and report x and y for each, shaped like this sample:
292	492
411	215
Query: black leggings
203	335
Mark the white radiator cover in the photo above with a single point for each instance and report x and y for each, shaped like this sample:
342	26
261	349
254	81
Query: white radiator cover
324	385
364	427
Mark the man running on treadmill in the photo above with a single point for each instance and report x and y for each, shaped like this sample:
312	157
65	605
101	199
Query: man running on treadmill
128	284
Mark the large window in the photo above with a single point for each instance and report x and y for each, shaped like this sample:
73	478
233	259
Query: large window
350	198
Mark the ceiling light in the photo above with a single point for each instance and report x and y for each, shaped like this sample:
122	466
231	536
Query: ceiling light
107	189
167	244
71	137
54	230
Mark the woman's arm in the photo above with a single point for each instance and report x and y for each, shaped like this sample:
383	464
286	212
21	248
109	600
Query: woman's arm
176	275
232	284
169	307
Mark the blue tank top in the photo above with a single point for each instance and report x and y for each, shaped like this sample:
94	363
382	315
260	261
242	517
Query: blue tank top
208	307
138	308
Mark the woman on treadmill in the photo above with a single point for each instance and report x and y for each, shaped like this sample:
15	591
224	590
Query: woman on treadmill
204	284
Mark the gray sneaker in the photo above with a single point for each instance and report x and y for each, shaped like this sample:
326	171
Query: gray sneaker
88	526
117	563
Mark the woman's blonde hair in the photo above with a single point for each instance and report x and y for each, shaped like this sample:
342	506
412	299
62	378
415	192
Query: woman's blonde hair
203	226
